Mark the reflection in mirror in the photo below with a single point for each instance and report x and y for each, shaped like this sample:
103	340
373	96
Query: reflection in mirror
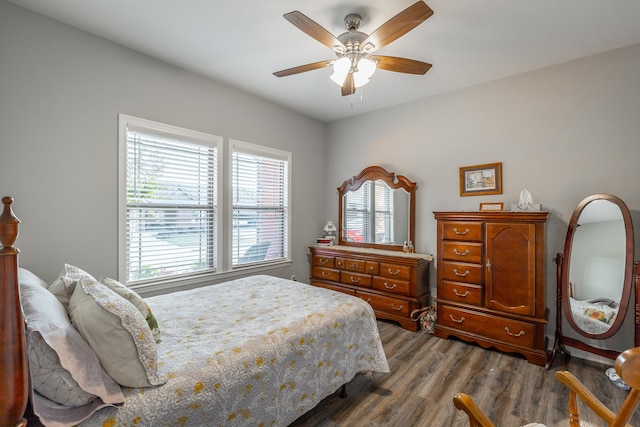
376	213
376	210
596	273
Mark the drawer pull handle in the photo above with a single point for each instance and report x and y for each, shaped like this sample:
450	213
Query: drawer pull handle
323	261
455	270
392	287
367	300
354	265
393	273
465	253
457	321
460	233
519	334
325	274
397	308
354	279
455	291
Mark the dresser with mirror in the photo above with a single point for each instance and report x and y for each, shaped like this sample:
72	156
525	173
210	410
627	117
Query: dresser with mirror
376	217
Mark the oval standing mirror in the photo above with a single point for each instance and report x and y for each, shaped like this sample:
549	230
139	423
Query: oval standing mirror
595	273
376	210
597	277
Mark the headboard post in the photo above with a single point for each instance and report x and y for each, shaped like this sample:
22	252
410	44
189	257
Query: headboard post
13	357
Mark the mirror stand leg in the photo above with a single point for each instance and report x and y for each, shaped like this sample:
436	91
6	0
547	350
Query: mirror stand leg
558	347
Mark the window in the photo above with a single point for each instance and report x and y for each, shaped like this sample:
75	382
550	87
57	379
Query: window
176	224
260	204
172	208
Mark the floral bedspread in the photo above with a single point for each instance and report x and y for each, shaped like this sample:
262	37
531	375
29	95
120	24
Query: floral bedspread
257	351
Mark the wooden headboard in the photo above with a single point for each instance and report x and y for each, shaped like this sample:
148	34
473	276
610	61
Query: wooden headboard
13	358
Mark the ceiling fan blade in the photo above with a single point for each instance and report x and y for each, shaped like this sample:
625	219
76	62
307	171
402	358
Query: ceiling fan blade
398	26
348	87
400	65
314	30
304	68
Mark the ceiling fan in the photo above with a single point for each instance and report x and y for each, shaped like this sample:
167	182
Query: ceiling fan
355	64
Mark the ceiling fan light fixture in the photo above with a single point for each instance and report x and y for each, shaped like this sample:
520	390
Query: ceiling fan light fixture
365	70
340	70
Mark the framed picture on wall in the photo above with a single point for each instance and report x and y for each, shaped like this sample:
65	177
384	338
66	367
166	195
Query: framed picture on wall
481	179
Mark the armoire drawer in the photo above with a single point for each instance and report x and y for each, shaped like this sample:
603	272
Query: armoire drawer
462	292
386	304
509	331
400	287
325	273
460	230
462	272
462	251
355	279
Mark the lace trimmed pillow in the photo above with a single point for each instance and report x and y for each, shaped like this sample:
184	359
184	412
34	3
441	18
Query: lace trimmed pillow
65	284
135	299
117	332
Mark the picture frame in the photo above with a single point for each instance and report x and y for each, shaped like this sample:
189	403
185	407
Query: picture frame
481	179
492	206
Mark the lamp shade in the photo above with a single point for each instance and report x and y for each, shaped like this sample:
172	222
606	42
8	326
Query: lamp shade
366	68
340	70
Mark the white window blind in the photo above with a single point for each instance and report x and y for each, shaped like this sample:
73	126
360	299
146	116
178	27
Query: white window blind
260	198
172	203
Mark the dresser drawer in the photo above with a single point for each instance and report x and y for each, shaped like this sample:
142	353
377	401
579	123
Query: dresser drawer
341	263
334	287
325	273
461	292
460	230
462	251
394	271
372	267
322	261
400	287
386	304
354	265
498	328
462	272
355	279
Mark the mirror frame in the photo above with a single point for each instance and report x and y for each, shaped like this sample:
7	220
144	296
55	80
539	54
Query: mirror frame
375	173
631	270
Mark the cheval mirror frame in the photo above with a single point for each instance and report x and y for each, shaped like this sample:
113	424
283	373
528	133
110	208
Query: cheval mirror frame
393	181
564	290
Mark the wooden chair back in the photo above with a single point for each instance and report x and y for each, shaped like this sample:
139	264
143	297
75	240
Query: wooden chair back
627	366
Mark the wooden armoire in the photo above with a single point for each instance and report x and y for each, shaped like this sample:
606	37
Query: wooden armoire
491	280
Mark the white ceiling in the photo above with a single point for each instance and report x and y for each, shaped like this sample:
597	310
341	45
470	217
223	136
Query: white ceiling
241	43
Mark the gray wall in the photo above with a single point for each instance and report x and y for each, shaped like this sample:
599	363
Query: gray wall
61	90
563	133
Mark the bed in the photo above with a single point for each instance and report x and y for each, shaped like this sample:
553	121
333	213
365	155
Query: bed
253	351
594	316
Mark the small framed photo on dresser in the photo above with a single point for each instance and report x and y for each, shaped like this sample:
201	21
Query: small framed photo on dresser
492	206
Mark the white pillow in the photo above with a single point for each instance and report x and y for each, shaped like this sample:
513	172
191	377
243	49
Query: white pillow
64	368
117	332
135	299
65	284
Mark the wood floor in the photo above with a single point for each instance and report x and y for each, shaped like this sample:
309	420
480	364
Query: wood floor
426	372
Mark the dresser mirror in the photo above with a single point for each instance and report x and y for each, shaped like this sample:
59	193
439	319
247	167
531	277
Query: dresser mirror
595	274
376	210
